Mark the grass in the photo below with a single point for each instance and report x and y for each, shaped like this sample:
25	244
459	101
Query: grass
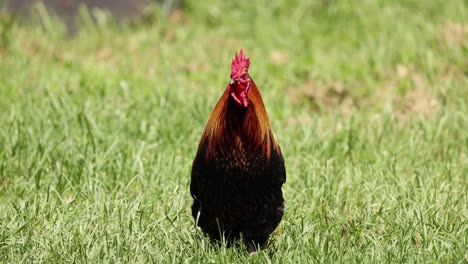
368	100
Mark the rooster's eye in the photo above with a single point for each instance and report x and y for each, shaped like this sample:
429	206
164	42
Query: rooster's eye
244	76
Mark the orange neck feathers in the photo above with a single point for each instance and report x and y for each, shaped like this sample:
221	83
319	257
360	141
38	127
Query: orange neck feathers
229	123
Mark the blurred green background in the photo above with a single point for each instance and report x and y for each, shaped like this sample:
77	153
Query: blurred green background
102	110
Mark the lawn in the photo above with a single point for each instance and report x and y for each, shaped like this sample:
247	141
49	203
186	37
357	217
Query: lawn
368	100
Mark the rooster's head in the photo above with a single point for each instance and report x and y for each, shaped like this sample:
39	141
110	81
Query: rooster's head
240	79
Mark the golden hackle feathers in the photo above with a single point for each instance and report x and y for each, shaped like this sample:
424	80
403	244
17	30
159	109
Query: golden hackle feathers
228	122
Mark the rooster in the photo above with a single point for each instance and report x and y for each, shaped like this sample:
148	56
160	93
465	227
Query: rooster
238	170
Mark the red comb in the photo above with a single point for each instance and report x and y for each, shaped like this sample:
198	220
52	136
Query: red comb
239	62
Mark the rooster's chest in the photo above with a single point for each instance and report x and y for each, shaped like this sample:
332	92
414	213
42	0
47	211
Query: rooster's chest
238	162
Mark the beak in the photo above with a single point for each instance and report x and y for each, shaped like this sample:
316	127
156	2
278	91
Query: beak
232	81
